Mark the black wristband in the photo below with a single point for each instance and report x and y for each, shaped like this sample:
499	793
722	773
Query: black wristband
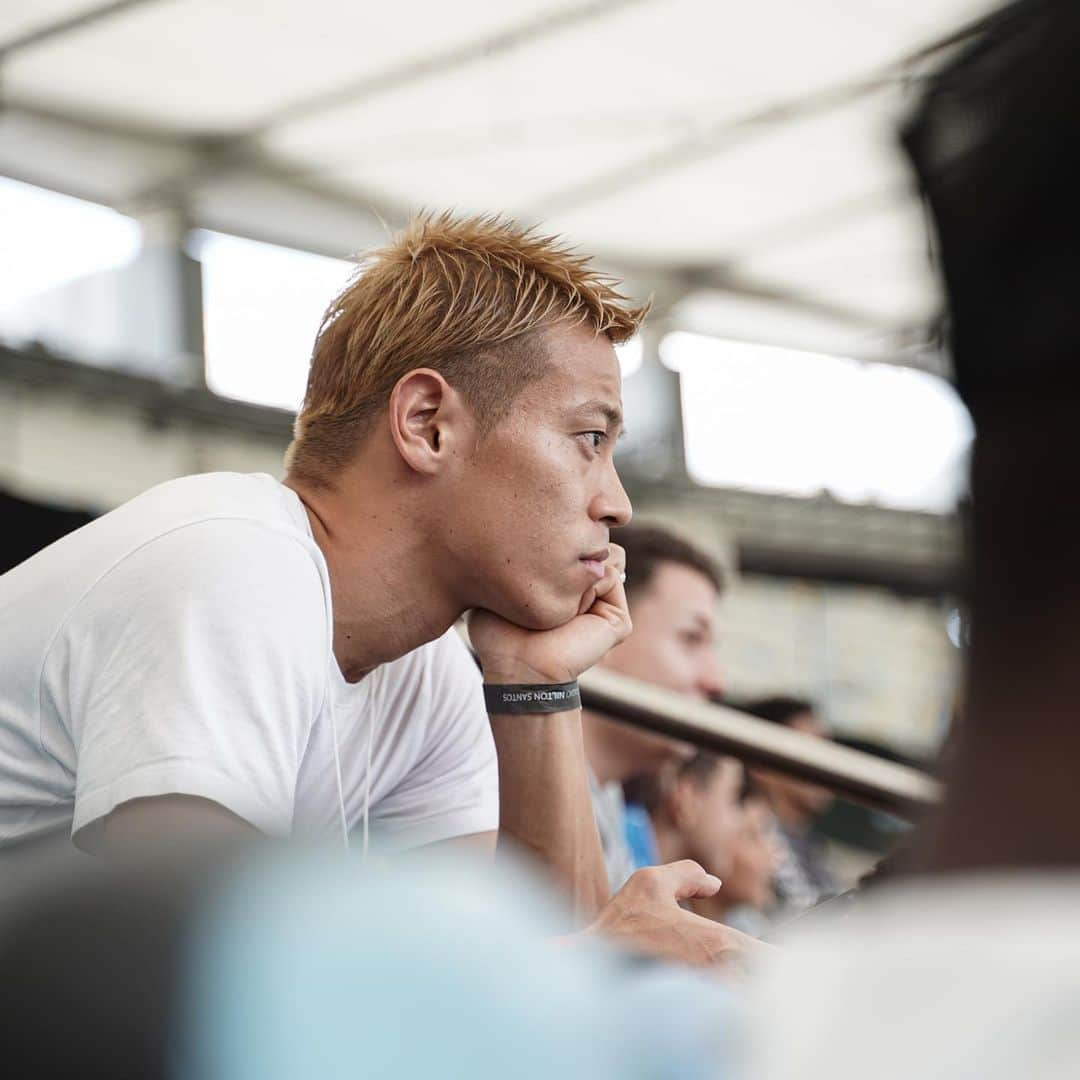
519	699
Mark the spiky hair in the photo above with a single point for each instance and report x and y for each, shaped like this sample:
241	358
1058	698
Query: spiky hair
464	296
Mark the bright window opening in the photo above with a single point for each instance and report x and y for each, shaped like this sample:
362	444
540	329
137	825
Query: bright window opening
262	305
797	423
49	241
630	355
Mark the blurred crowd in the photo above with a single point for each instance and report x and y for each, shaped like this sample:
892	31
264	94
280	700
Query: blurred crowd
658	800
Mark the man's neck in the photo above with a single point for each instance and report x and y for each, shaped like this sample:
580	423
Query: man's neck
388	596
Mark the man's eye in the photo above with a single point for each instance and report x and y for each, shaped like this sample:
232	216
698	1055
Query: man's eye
595	439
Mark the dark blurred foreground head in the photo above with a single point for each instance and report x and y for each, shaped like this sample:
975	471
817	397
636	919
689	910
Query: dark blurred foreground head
92	956
971	970
993	148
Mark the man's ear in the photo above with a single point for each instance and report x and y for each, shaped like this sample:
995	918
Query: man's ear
682	804
428	420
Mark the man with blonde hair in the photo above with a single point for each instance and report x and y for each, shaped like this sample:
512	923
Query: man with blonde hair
231	653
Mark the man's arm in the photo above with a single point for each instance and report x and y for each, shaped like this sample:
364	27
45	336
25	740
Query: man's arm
545	807
481	843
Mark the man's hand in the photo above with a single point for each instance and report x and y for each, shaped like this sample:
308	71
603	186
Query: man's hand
511	654
644	917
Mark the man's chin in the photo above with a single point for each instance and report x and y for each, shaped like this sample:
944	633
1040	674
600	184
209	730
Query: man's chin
550	617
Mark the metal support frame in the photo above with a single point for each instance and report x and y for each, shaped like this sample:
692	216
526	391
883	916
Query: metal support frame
653	446
61	27
162	404
528	32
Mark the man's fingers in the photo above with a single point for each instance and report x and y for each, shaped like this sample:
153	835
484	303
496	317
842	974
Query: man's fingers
687	879
607	598
617	557
588	598
610	587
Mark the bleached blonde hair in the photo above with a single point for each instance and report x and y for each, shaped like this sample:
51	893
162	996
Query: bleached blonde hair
467	297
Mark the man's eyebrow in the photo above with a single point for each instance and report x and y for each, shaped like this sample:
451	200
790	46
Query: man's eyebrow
611	413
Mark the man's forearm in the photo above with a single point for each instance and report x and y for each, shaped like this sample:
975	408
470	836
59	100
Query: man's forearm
545	807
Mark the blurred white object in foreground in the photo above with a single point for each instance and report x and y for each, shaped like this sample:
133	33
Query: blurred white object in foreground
967	978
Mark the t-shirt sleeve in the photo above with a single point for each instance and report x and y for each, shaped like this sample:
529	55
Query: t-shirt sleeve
453	789
196	666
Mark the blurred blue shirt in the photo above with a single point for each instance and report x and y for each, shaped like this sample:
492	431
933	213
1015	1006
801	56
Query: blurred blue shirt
315	966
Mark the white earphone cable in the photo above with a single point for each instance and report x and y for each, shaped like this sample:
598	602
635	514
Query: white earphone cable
367	785
340	787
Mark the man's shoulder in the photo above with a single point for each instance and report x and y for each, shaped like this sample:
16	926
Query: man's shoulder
189	500
181	535
227	527
218	495
203	511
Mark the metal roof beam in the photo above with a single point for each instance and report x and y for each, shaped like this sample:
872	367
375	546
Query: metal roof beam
68	25
729	133
527	32
723	276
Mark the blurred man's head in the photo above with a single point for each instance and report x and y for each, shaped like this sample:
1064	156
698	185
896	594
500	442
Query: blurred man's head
749	879
795	802
468	372
696	812
673	587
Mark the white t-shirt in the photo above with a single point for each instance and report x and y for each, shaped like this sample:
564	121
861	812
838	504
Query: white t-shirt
182	644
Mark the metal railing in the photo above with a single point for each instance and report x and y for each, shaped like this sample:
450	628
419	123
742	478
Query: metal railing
855	775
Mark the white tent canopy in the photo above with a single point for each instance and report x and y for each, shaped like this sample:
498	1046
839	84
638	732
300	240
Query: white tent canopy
737	159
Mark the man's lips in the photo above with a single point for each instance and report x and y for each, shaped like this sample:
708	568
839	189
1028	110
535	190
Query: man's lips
595	562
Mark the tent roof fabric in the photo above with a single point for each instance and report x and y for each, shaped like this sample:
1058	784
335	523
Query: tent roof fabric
738	160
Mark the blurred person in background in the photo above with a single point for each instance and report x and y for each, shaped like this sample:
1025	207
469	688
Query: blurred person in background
747	900
703	810
968	963
694	809
673	588
748	896
803	877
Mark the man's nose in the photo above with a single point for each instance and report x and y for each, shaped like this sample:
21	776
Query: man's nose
612	505
711	681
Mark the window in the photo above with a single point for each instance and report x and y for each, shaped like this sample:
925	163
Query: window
262	305
51	241
797	423
630	354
